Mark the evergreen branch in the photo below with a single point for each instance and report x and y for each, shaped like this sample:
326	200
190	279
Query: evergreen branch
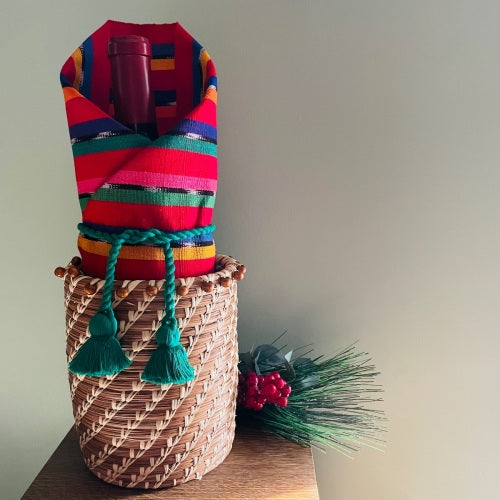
330	404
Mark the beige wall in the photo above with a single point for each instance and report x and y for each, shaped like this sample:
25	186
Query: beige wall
359	179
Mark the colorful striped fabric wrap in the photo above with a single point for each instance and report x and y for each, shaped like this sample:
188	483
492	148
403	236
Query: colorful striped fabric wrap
127	181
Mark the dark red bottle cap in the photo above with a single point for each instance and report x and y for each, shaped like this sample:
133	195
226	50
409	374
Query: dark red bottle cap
129	44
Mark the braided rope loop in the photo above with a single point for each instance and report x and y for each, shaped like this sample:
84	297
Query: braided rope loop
101	354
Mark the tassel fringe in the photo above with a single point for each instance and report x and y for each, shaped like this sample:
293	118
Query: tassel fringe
101	354
169	363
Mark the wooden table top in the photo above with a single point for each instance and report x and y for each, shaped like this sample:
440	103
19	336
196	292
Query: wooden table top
259	467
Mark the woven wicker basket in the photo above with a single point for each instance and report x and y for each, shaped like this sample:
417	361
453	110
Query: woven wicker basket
139	435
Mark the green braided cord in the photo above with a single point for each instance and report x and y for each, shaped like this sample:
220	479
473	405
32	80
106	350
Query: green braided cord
107	290
134	237
102	354
169	287
169	363
151	236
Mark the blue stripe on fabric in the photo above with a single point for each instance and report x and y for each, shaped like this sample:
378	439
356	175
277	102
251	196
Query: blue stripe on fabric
212	81
196	73
87	63
162	50
94	127
165	97
202	237
199	128
64	81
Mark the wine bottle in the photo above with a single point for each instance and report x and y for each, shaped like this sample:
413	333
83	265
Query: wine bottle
133	99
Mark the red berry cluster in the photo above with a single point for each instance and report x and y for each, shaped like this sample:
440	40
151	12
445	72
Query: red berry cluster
254	391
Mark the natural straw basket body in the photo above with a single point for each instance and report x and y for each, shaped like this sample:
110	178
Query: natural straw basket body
139	435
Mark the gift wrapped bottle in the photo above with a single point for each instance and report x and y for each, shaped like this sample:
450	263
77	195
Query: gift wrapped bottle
126	180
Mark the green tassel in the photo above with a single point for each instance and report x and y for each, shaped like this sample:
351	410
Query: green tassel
101	354
169	363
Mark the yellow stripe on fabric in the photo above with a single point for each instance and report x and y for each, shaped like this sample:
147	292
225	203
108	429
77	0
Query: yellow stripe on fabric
70	93
146	252
165	64
194	253
77	59
204	58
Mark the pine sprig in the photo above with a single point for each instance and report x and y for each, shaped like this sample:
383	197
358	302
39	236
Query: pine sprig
329	406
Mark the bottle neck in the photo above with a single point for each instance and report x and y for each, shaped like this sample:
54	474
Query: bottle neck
130	61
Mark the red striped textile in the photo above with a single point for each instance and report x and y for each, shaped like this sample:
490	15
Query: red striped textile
124	179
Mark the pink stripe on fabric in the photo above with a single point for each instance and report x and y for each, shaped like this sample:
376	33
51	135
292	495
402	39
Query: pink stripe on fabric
163	180
90	185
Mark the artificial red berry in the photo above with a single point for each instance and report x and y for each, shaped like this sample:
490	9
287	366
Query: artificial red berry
286	390
269	390
261	399
282	402
279	383
252	390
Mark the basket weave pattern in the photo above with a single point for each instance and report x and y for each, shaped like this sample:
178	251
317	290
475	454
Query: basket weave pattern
139	435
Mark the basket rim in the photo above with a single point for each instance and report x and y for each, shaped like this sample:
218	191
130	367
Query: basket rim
230	264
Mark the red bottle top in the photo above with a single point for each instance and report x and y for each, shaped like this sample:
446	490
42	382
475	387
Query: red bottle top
130	59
